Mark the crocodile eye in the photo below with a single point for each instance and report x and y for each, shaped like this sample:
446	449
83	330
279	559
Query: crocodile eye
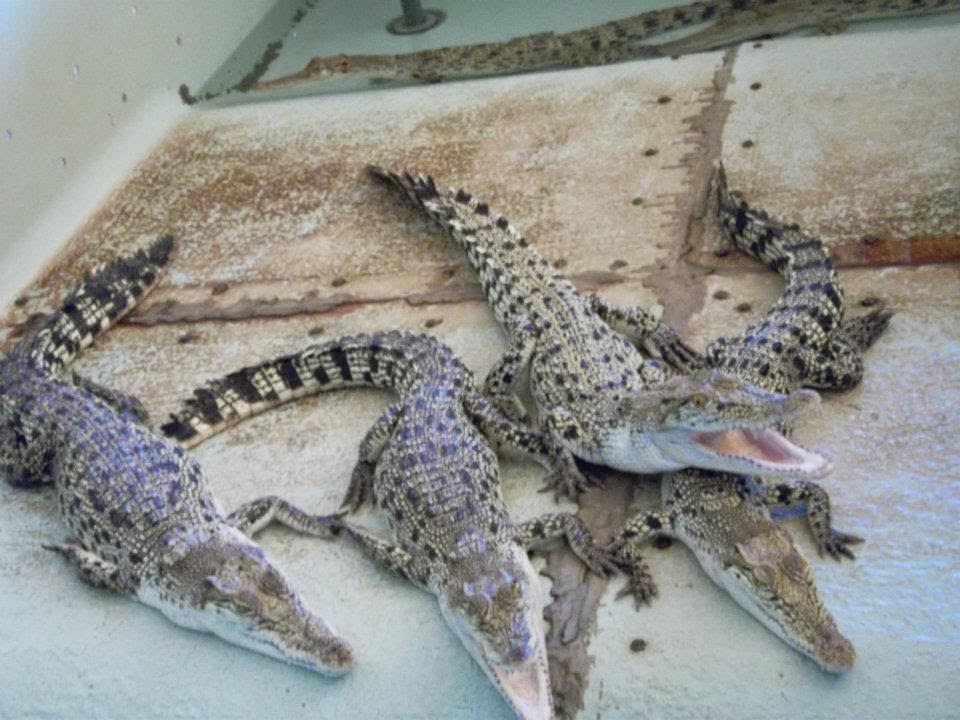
699	400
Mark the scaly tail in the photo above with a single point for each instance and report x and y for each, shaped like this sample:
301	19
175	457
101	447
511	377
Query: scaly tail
471	222
383	360
812	303
492	244
104	296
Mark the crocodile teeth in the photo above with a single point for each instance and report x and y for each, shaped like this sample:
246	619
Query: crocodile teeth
766	448
527	687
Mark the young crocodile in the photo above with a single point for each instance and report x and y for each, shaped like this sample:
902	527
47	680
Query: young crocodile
725	519
597	397
142	518
728	22
428	464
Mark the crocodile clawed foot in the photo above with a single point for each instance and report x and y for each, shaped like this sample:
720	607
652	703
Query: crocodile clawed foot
640	585
600	561
569	482
666	344
835	543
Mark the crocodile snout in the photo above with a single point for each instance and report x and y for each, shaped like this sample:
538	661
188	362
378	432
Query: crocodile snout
834	652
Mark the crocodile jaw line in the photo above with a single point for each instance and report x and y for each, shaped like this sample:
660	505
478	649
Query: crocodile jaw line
765	450
525	684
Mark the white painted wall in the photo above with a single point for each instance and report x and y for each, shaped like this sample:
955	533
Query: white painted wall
66	133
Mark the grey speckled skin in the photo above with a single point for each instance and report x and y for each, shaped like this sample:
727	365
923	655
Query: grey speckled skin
723	22
725	519
429	465
597	396
141	518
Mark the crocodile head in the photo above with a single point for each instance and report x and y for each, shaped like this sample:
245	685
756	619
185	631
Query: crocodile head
771	579
493	602
706	419
221	582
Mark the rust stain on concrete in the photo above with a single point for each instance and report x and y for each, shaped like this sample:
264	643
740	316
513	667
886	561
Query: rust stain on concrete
871	251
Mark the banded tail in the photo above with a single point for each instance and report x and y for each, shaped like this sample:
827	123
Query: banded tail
471	222
813	289
105	295
389	360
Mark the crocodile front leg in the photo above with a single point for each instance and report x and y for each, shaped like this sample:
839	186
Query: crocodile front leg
817	512
252	517
553	526
648	333
638	530
92	568
372	445
502	378
563	476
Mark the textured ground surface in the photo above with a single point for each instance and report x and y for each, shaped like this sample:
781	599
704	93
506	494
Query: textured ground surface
283	241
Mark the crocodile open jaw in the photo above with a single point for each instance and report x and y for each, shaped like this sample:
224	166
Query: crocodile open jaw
766	448
526	686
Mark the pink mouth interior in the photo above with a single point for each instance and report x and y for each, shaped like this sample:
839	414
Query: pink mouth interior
527	686
767	448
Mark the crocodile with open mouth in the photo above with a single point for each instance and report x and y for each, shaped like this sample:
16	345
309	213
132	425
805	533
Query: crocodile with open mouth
142	519
597	397
725	519
428	464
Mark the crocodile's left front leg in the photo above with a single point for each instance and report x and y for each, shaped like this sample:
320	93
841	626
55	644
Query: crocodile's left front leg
502	379
553	526
645	330
641	528
817	512
563	475
92	568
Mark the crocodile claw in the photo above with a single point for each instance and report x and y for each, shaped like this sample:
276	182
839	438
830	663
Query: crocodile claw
835	543
599	561
640	585
666	344
568	481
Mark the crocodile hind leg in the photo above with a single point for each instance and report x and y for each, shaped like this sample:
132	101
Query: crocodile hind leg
92	568
568	526
372	445
817	512
392	557
625	544
121	402
563	476
502	378
26	454
252	517
648	333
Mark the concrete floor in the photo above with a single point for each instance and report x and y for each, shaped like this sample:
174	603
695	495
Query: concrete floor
854	136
